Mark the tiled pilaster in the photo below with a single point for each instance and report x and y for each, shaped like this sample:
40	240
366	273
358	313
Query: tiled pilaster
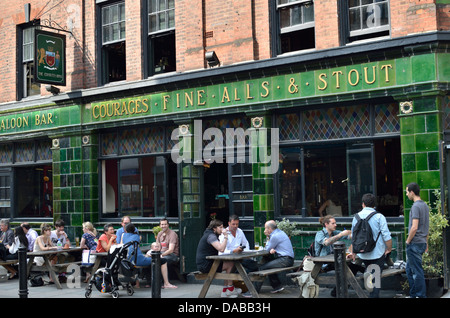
263	197
420	128
75	181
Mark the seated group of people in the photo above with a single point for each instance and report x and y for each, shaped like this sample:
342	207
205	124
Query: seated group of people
216	240
166	242
24	235
10	241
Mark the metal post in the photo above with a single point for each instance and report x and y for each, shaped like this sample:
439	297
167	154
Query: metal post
340	267
23	285
156	274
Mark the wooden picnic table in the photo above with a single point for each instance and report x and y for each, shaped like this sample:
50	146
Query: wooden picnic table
242	275
319	261
47	255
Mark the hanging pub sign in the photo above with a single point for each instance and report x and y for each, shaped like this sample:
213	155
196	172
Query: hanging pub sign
50	58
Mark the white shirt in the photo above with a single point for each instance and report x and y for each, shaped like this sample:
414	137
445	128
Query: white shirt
234	241
55	238
31	236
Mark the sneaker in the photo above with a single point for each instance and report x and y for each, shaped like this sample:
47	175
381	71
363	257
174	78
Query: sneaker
231	292
277	290
247	295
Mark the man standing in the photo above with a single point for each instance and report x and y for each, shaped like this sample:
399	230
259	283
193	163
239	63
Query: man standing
417	241
281	255
168	240
381	235
210	245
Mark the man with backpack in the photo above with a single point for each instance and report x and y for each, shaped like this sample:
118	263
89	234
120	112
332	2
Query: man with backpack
371	238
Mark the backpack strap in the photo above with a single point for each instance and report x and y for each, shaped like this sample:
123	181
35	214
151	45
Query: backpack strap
368	217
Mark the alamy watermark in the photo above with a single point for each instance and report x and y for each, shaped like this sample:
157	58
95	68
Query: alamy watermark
226	148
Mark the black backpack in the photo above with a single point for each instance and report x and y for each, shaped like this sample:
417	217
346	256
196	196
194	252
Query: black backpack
362	235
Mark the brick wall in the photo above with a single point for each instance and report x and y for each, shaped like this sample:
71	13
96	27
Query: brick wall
238	31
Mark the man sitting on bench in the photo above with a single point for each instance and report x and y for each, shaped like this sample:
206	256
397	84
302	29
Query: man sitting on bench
281	255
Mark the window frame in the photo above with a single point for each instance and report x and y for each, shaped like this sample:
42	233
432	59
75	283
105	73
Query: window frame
348	36
101	48
27	64
148	37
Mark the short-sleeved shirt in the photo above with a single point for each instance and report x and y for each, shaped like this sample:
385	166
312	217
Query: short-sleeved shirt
322	235
167	238
378	225
100	248
91	241
420	211
54	237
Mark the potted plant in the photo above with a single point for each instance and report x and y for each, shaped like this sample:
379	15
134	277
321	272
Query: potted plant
290	228
156	230
433	259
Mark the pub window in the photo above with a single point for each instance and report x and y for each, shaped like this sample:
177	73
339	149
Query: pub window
143	186
29	86
113	42
296	21
368	19
34	191
161	36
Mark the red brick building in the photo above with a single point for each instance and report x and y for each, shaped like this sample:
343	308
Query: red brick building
357	88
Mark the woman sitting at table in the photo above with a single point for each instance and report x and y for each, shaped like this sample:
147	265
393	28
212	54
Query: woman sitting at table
143	260
44	243
107	239
89	238
19	239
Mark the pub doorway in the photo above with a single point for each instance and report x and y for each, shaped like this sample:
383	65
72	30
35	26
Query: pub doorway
216	192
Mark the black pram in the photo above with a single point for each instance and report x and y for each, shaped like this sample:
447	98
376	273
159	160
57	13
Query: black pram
106	279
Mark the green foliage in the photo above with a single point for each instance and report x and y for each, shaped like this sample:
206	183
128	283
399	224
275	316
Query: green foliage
156	230
433	260
290	228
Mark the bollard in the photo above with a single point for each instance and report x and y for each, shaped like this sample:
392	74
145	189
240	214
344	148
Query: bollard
23	284
156	274
340	267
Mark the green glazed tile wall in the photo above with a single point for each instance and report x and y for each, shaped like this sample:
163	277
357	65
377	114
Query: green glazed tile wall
263	197
75	182
420	134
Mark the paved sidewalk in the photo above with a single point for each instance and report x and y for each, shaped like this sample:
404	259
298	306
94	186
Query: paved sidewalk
10	289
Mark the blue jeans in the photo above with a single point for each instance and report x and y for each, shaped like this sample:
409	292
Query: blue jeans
414	270
277	262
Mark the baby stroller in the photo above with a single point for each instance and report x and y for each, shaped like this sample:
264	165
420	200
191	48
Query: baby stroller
106	280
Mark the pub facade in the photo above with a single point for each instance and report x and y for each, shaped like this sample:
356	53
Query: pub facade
150	125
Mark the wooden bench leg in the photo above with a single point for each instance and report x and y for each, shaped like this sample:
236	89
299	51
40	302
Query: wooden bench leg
247	281
354	283
52	273
209	279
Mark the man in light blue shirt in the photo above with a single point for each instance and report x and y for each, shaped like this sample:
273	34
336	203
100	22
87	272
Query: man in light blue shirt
380	230
281	255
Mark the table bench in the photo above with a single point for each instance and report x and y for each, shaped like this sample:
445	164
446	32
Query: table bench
262	274
322	279
57	268
258	276
10	262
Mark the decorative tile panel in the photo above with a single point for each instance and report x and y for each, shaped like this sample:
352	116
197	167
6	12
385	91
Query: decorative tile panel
24	152
334	123
289	125
386	118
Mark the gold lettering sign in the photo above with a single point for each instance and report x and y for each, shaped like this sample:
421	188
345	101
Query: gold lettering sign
244	92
